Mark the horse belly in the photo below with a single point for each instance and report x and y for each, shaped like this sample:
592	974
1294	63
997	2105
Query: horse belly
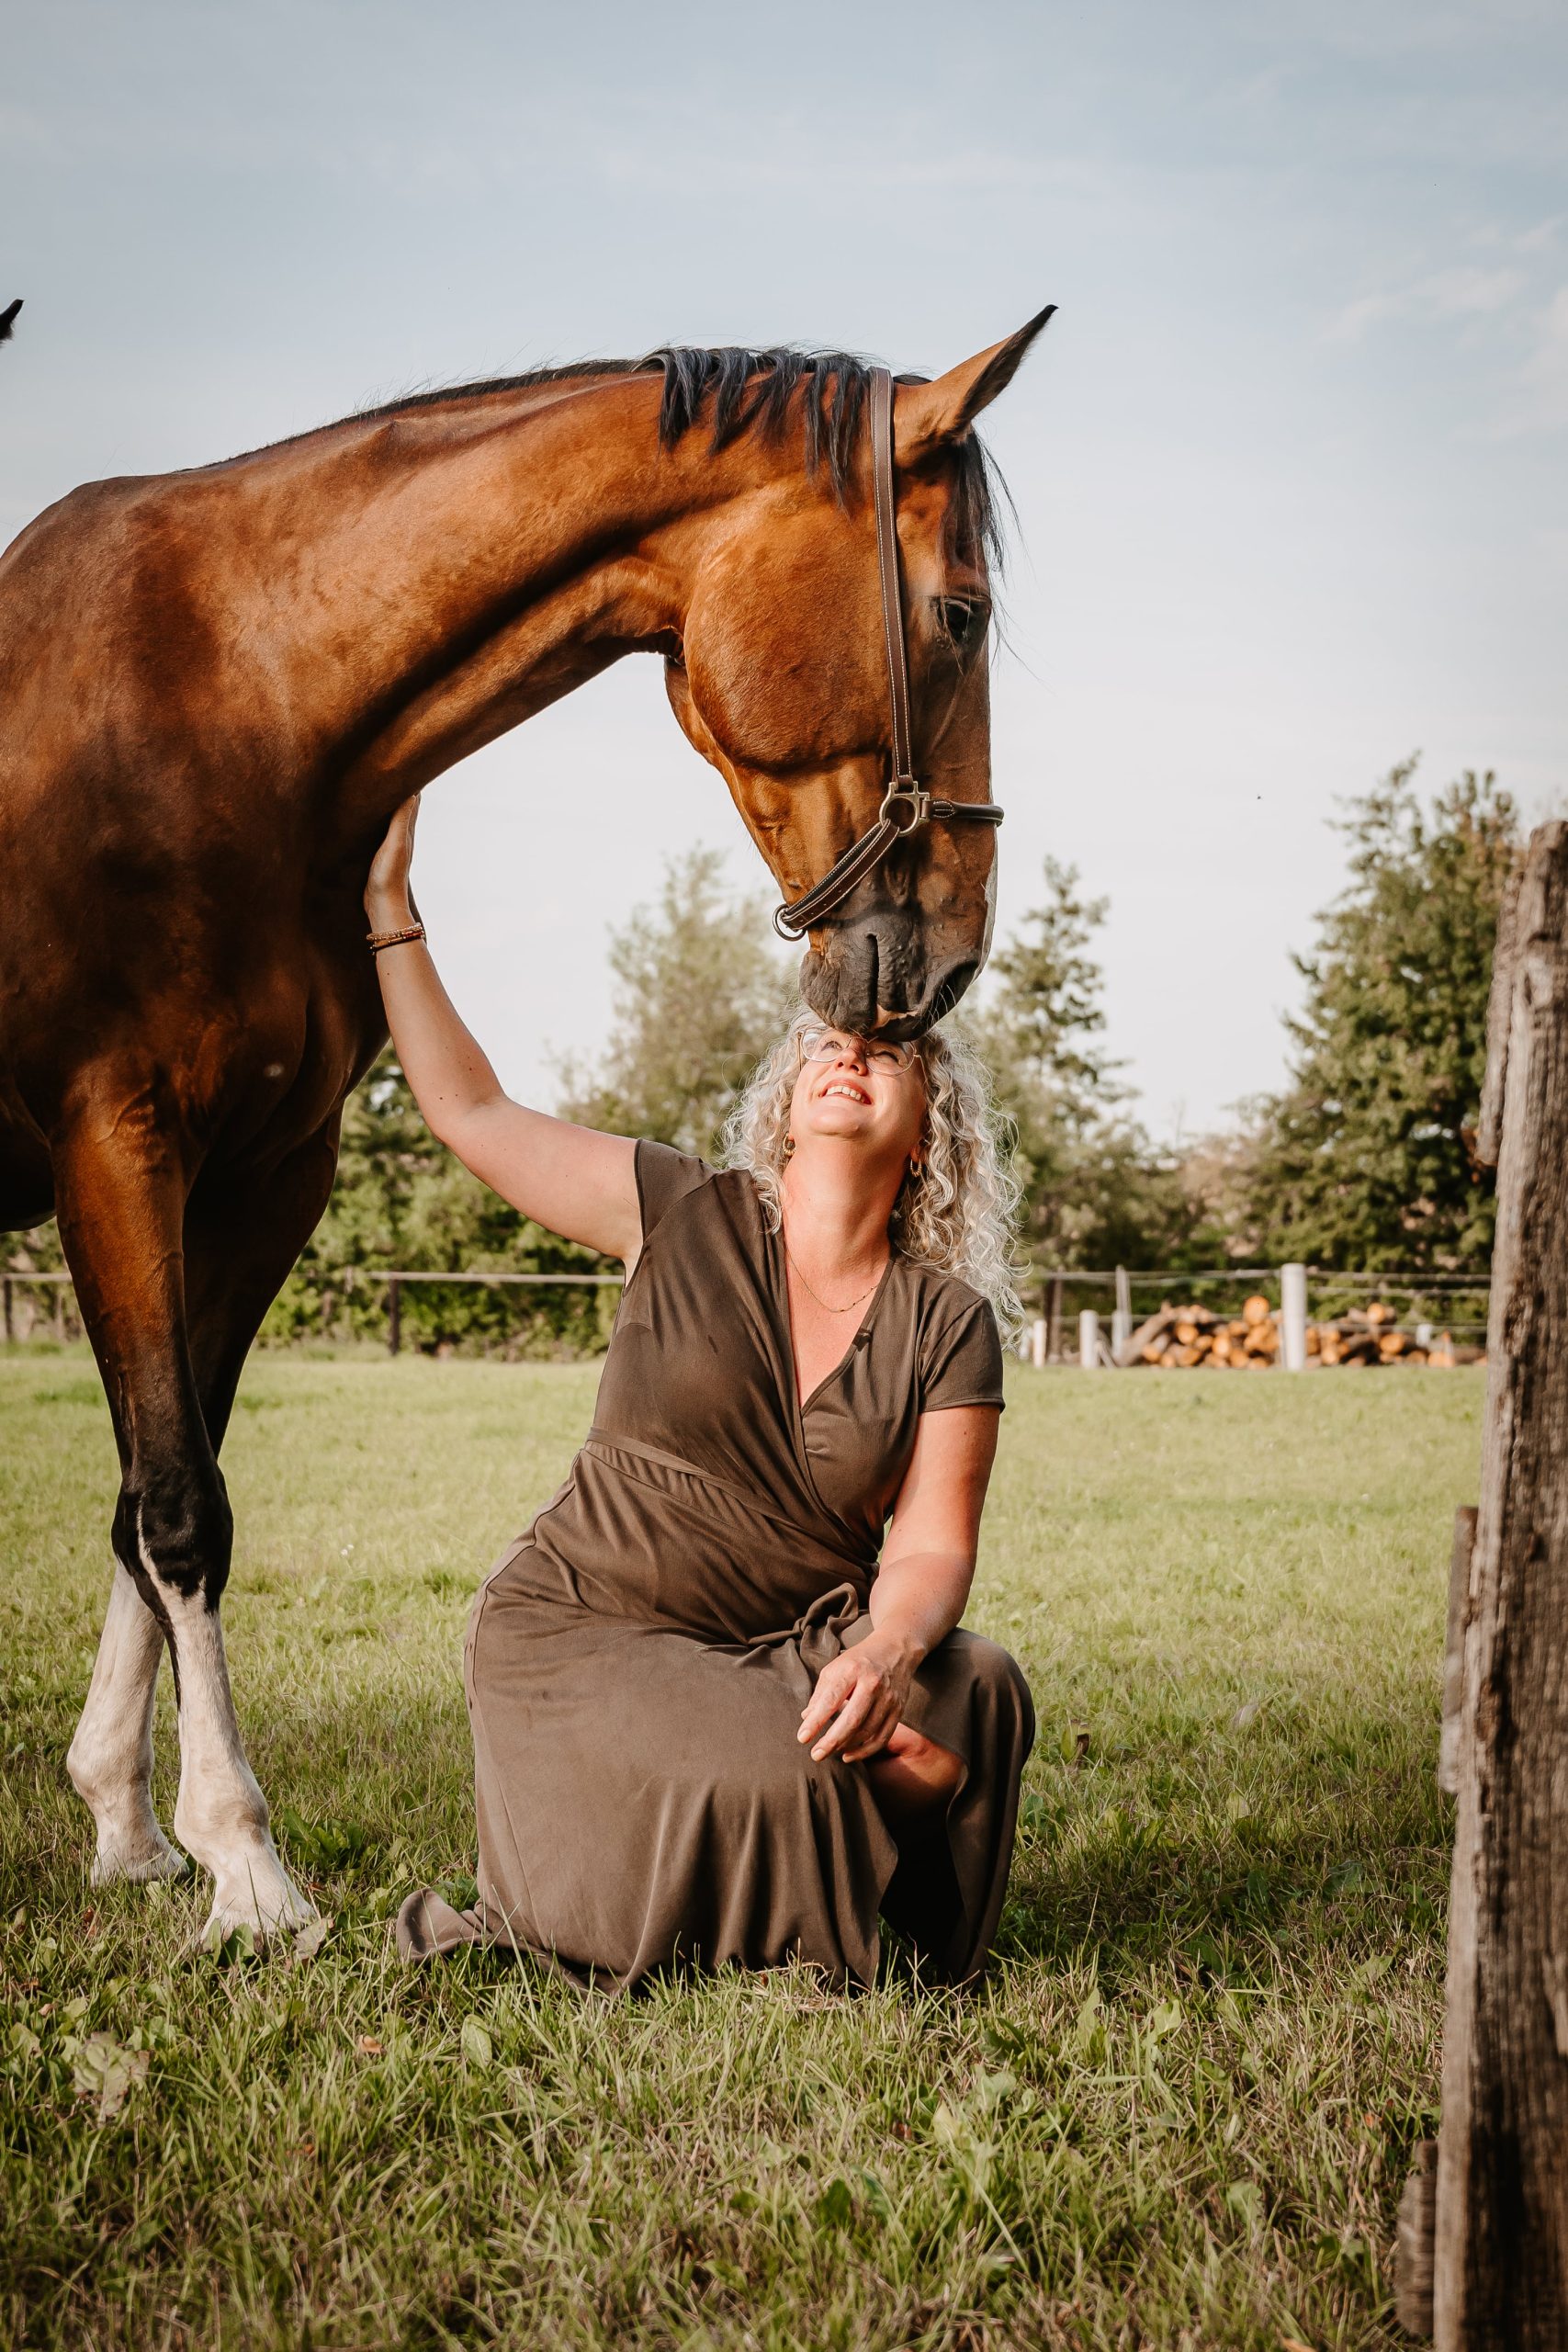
26	1181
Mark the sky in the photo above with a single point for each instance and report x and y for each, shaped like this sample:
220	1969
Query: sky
1289	464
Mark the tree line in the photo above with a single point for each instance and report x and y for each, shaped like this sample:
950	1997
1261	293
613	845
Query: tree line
1362	1159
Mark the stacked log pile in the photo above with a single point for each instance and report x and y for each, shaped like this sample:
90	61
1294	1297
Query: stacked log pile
1182	1339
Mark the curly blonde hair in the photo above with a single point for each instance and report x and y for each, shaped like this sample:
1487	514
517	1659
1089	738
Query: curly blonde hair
957	1210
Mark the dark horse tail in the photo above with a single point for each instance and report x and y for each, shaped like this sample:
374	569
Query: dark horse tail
9	319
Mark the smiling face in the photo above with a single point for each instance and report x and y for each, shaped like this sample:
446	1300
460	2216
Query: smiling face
857	1094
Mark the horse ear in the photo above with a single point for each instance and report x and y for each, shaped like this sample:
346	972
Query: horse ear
9	319
927	414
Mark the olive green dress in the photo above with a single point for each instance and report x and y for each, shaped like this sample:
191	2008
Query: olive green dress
637	1662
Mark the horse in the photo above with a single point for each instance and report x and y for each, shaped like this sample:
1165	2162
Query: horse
218	686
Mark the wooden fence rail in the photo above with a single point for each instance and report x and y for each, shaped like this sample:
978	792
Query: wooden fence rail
11	1283
395	1281
1045	1343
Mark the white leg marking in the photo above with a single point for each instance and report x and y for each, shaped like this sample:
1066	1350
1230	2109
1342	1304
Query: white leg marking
221	1814
110	1759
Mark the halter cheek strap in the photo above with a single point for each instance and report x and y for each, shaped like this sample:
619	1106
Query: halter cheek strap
905	806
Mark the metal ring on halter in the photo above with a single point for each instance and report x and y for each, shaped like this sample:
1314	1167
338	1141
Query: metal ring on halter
919	798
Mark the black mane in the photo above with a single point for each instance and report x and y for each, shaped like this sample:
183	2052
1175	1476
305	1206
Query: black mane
752	392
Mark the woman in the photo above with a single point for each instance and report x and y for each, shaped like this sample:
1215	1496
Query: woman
709	1724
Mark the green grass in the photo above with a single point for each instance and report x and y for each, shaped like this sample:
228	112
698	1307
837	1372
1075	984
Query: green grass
1177	2116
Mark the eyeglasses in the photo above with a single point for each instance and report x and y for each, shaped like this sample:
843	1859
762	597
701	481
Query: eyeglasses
832	1045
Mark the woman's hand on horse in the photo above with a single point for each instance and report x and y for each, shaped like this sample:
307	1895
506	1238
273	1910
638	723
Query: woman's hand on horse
858	1701
388	899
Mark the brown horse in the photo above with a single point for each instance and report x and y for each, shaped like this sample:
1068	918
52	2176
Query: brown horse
218	686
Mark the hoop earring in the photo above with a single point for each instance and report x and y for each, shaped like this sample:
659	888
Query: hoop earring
788	1146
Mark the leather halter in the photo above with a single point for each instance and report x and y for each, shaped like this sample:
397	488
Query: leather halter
903	793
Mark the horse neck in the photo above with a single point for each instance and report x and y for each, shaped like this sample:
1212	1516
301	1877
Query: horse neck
433	576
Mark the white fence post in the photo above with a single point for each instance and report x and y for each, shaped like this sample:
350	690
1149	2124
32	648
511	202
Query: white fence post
1294	1317
1038	1331
1088	1339
1122	1320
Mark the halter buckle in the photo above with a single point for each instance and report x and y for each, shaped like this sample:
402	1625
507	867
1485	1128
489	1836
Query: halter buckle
914	797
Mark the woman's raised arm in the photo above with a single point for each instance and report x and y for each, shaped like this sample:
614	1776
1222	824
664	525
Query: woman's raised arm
573	1180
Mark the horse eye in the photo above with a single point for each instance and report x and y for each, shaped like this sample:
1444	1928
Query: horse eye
960	622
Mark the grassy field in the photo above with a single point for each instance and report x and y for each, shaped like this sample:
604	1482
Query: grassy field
1179	2116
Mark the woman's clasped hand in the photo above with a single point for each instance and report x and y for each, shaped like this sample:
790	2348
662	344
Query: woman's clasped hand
859	1701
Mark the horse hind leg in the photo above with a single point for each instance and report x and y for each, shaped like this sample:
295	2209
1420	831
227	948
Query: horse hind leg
121	1218
240	1237
110	1759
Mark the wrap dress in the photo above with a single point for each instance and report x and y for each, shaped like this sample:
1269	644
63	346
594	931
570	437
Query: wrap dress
636	1663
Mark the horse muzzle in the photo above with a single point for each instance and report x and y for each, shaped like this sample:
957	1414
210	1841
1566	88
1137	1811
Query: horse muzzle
878	977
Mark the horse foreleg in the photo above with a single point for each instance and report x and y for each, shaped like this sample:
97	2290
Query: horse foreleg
221	1814
121	1204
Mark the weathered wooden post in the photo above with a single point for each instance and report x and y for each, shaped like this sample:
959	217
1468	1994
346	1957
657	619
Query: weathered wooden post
1053	1320
1500	2274
394	1316
5	1289
1458	1635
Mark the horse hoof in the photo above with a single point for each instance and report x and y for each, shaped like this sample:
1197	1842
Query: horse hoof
137	1864
249	1906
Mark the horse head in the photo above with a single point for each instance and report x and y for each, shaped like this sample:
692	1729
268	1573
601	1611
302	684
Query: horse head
782	675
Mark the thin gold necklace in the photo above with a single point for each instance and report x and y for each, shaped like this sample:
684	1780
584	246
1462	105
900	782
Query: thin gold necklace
817	1295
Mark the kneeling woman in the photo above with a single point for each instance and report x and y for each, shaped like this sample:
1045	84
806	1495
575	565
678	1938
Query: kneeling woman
721	1709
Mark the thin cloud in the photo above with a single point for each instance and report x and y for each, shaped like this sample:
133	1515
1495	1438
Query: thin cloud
1459	293
1539	402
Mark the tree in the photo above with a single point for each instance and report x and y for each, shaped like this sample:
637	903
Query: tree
1045	1018
403	1201
1095	1190
703	993
1364	1160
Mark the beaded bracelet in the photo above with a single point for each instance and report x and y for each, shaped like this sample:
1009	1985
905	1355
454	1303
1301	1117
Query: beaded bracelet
379	939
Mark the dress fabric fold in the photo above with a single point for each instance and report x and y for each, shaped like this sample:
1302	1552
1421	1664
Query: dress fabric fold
637	1662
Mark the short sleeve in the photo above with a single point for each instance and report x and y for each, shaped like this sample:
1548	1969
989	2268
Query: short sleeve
964	1363
663	1177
